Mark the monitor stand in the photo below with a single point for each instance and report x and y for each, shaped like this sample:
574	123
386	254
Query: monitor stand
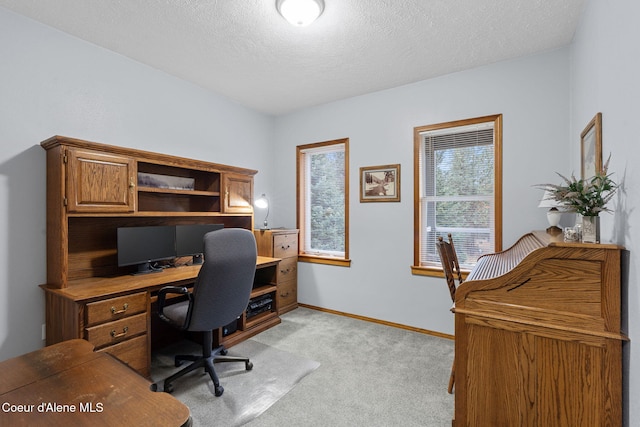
146	268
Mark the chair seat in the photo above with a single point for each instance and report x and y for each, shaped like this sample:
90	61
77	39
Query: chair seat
177	313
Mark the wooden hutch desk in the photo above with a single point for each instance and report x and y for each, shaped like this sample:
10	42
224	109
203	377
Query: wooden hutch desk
93	189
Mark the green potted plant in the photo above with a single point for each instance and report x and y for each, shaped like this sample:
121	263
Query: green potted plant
586	197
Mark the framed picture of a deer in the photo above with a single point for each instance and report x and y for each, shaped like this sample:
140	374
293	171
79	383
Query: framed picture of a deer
380	183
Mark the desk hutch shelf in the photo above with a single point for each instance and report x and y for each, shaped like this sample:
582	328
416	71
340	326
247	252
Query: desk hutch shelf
93	189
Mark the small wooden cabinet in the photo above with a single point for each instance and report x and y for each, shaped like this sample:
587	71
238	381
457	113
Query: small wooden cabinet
238	196
99	182
283	244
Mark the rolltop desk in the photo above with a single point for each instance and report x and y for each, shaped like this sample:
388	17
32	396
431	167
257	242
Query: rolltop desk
538	336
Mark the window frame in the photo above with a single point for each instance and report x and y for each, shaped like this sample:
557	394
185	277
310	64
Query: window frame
301	207
437	271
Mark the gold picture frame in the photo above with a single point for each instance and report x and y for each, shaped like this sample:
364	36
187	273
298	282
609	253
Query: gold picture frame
380	183
591	148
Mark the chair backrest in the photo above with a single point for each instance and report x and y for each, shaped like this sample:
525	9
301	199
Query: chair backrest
222	289
450	265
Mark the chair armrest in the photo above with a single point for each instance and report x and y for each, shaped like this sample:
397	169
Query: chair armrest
173	290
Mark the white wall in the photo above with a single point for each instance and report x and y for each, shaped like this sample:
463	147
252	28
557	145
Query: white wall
605	70
54	84
533	96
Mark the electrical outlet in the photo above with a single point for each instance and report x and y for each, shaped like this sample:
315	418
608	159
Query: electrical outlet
44	332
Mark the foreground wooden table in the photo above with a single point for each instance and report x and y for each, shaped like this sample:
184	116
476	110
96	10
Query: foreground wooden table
69	384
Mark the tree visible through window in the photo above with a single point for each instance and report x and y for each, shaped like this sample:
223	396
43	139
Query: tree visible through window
323	201
458	190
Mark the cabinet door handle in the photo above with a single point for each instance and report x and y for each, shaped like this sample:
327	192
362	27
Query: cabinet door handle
124	309
114	334
132	183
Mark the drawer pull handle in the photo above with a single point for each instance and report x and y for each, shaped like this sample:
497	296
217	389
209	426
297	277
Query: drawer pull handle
124	309
114	334
284	295
284	271
283	247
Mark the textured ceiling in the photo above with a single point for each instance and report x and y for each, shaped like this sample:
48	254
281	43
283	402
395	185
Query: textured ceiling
244	50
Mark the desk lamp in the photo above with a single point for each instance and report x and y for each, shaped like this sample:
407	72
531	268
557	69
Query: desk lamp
553	214
263	203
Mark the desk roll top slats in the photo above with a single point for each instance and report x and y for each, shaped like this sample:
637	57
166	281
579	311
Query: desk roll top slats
538	339
92	190
494	265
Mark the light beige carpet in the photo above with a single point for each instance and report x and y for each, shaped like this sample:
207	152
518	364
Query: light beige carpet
247	394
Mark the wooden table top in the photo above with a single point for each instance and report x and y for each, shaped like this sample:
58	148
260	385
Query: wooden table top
69	384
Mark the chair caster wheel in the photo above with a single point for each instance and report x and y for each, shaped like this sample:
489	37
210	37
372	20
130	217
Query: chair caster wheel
248	366
219	391
153	387
177	362
224	352
168	388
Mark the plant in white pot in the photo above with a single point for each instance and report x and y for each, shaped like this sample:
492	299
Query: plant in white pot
586	197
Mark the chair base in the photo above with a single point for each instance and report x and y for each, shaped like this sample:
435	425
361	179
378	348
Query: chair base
207	360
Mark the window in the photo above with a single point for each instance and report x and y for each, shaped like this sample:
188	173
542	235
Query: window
457	190
323	201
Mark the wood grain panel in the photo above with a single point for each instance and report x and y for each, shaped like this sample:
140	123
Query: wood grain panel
496	383
100	182
567	372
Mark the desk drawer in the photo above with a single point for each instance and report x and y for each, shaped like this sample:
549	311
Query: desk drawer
116	308
287	294
133	352
119	330
285	245
288	269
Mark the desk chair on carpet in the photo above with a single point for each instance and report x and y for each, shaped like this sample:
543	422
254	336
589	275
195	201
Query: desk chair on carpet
220	294
451	269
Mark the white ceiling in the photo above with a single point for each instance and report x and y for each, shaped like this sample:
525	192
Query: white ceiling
244	50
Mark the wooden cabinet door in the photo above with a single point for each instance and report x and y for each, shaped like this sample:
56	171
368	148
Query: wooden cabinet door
238	193
528	376
99	182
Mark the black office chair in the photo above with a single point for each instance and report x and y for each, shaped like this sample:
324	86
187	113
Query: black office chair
220	294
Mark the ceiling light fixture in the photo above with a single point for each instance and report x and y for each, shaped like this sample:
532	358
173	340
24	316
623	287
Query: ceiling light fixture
300	12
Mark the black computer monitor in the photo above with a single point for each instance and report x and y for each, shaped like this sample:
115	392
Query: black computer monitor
142	246
189	239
